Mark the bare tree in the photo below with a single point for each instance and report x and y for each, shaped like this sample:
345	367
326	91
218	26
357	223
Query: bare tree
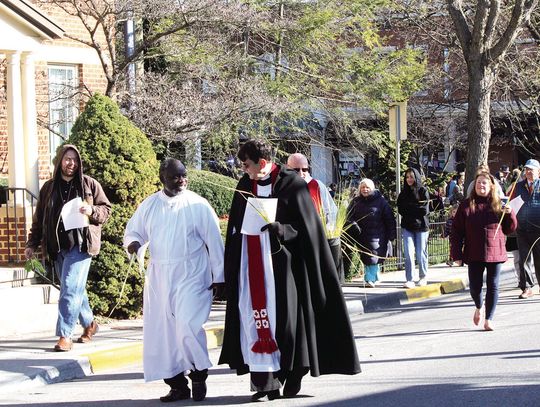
486	30
100	20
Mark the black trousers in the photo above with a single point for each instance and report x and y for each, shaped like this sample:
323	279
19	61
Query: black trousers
179	382
268	381
476	282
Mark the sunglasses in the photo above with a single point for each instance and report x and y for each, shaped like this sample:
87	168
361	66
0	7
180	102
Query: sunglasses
301	169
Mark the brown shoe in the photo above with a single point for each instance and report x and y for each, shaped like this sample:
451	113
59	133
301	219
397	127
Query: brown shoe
63	345
527	293
89	332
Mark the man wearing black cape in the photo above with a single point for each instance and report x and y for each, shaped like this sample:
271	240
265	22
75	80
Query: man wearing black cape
285	310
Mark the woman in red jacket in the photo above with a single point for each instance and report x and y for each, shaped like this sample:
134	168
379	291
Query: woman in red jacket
477	240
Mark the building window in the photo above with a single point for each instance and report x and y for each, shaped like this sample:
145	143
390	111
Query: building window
63	103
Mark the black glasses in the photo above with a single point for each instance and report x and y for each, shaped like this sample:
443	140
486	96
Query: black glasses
301	169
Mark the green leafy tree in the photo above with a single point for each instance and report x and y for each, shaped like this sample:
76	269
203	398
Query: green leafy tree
119	155
268	71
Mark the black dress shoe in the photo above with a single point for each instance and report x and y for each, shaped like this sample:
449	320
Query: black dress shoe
292	388
257	396
175	395
199	391
272	395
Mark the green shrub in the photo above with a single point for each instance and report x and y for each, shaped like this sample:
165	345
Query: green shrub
105	281
216	188
121	158
115	152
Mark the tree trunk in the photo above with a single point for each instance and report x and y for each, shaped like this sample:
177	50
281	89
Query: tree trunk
481	82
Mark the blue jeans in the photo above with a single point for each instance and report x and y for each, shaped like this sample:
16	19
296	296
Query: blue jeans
415	242
370	273
476	281
72	269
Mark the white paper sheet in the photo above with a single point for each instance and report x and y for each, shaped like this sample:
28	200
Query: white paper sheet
516	204
71	217
255	207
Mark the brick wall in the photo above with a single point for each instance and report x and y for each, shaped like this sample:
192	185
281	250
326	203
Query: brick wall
91	79
14	226
3	120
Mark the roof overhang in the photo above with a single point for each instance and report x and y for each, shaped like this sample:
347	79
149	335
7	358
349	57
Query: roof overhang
32	18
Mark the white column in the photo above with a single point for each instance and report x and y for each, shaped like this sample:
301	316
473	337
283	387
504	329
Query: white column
31	146
15	121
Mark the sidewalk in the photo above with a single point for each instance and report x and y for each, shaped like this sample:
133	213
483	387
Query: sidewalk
30	361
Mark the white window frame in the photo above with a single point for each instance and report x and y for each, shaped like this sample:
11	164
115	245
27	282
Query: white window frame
63	103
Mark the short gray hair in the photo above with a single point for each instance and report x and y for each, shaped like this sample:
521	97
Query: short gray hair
368	182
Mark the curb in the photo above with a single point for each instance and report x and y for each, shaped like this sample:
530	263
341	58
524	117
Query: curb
84	365
69	369
413	295
133	353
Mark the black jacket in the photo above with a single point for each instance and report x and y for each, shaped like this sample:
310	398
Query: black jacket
377	224
413	205
312	324
45	220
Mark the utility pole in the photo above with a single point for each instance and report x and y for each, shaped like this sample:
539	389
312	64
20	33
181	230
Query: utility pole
397	123
397	120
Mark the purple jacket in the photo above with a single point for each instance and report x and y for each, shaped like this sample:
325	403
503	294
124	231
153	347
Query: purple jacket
474	237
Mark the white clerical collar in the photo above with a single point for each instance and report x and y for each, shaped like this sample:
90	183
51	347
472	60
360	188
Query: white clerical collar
308	178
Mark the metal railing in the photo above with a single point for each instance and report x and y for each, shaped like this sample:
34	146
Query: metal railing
17	208
438	247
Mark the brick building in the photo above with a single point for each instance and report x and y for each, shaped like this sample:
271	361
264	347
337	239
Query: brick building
43	77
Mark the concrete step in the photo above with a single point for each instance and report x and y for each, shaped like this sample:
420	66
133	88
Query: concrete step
17	277
14	273
27	296
22	320
28	309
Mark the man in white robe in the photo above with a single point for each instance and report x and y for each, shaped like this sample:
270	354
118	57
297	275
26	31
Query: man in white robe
186	263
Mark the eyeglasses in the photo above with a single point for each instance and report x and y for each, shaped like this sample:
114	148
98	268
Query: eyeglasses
301	169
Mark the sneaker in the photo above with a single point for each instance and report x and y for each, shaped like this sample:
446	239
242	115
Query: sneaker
422	282
370	284
409	284
449	263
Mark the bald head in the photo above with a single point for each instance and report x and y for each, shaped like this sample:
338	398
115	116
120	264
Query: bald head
299	163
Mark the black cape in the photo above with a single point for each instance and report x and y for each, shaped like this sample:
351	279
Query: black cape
313	327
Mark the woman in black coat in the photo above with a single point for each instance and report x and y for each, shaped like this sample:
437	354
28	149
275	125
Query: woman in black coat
413	206
377	226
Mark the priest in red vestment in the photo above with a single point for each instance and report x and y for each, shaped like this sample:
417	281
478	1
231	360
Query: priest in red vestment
286	315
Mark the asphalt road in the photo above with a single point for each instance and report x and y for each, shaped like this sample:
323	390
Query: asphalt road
428	354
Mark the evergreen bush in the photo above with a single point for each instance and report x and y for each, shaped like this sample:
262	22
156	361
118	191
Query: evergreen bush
216	188
121	158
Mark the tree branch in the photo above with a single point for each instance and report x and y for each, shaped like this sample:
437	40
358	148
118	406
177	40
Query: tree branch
463	32
521	14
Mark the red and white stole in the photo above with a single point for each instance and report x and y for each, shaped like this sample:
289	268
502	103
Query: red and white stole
315	193
265	343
